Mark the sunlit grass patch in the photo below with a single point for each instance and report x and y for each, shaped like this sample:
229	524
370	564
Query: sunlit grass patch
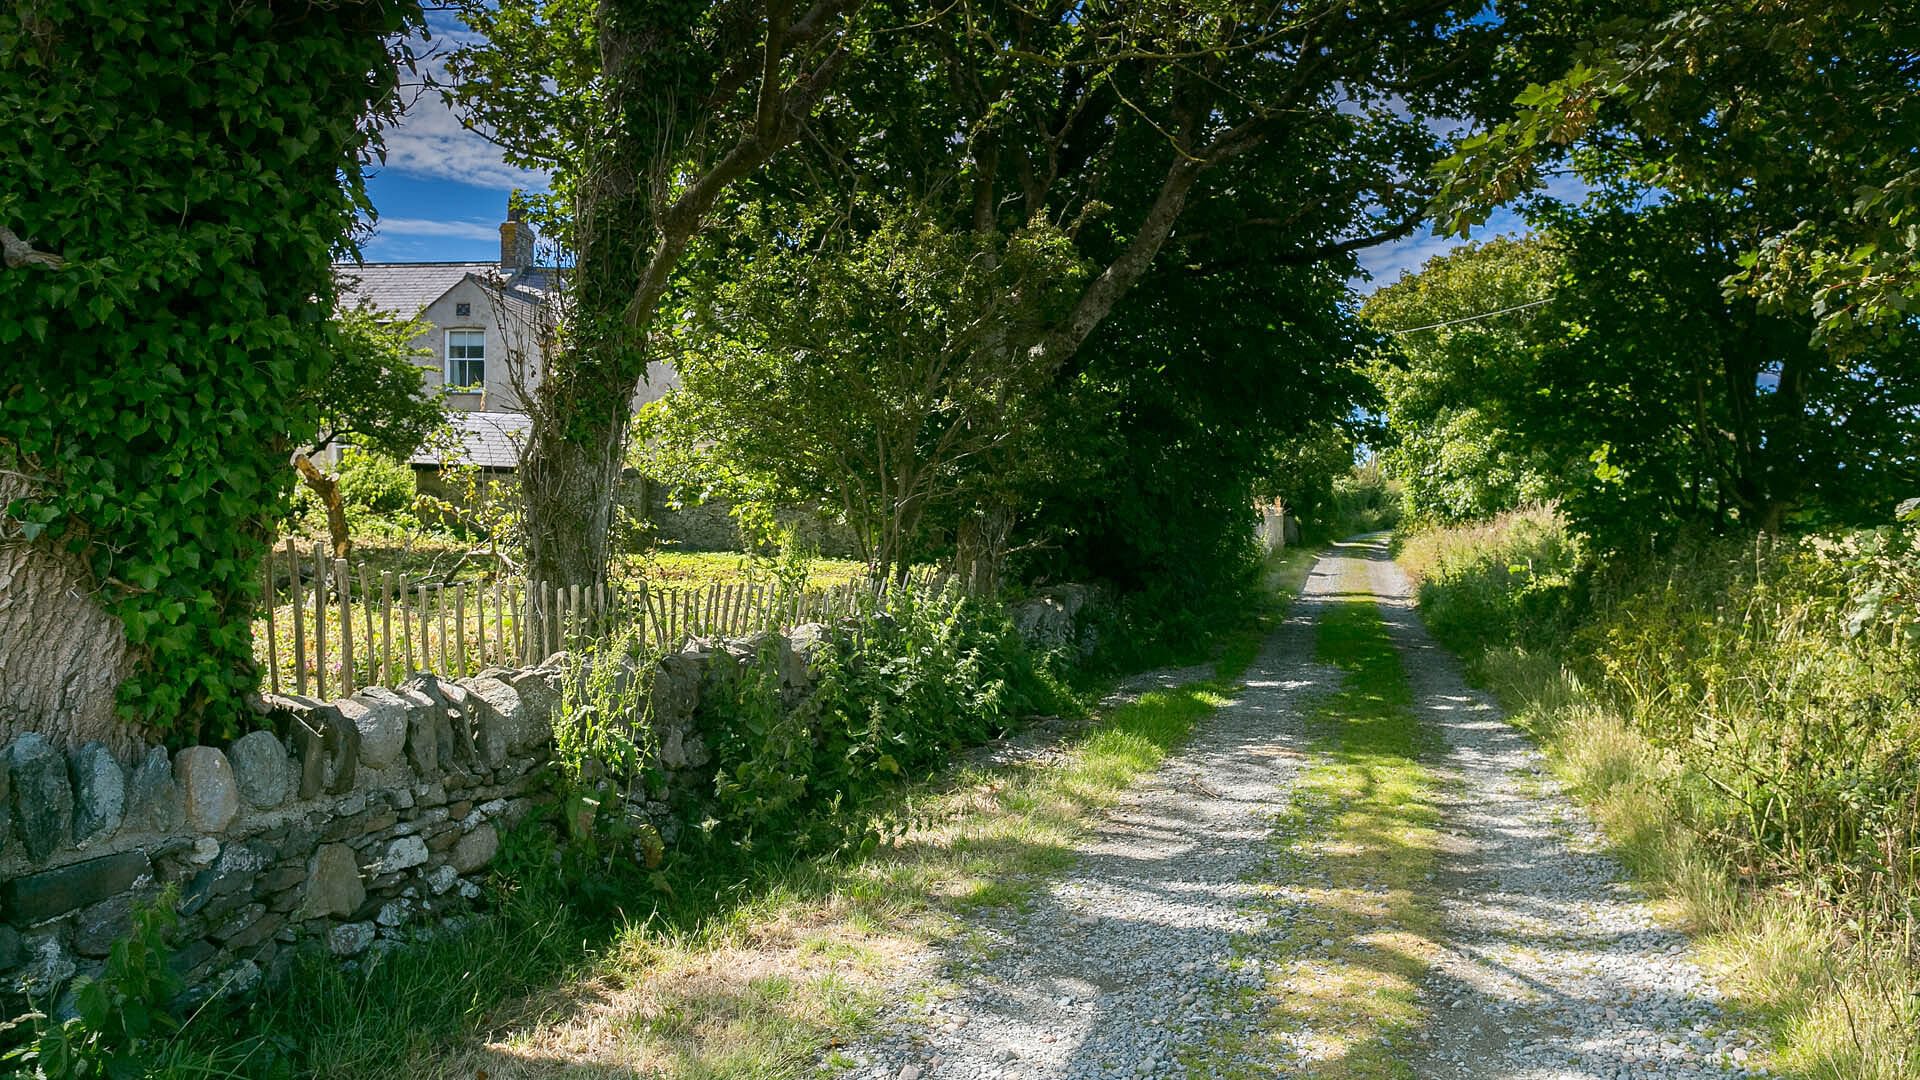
1356	851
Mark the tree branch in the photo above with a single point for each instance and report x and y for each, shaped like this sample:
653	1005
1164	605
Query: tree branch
20	253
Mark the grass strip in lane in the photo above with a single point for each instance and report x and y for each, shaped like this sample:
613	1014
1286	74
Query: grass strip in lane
1347	886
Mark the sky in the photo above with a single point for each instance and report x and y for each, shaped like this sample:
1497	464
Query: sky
442	192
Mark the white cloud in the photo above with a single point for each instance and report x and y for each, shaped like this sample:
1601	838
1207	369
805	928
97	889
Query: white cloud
464	230
429	140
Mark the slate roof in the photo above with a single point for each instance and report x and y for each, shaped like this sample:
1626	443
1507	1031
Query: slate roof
406	288
491	440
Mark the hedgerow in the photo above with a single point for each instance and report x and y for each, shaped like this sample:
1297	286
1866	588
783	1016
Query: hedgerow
196	165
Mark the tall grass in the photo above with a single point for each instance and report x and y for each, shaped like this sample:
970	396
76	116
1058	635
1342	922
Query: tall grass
1744	718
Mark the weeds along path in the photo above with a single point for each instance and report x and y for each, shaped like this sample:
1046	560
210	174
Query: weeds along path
1129	963
1550	967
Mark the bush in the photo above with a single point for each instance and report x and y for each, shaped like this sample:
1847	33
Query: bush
1511	580
900	688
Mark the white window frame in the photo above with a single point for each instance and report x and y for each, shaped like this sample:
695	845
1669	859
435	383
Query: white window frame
453	385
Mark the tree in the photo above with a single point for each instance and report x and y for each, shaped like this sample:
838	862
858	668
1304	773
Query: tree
1235	140
647	112
182	160
1804	107
1458	362
374	397
863	366
1666	403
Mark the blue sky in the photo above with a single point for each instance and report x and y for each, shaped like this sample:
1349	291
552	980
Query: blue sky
443	190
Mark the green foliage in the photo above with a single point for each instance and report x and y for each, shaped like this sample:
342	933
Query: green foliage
1776	674
377	490
1805	110
917	676
1364	500
1639	395
1515	579
1450	391
1669	407
374	394
125	1027
156	379
862	364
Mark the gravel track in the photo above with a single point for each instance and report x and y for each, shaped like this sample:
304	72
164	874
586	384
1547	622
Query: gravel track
1553	970
1553	967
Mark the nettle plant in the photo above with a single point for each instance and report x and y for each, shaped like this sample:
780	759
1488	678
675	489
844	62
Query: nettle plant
180	164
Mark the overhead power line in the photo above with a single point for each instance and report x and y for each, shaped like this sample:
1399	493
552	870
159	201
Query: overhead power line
1470	318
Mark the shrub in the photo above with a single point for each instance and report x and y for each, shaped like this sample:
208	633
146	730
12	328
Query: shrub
916	676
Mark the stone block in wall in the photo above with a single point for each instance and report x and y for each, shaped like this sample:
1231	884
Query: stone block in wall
475	850
98	926
381	718
208	793
807	644
261	769
350	939
429	736
42	795
453	704
500	718
153	799
403	854
11	954
539	690
334	885
49	894
6	804
99	793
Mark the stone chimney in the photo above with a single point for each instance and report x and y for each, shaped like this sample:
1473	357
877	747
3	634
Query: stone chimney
516	243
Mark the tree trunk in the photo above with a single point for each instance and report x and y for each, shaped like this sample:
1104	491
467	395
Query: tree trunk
567	479
62	657
328	488
980	548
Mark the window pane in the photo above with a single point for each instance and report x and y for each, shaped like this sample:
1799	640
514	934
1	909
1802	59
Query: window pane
466	357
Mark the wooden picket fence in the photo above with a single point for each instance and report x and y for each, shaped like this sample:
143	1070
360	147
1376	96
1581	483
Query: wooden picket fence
339	627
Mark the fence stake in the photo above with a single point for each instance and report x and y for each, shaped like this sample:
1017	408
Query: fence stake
573	608
480	623
440	616
366	620
299	618
273	636
460	626
386	627
499	624
343	580
320	621
522	618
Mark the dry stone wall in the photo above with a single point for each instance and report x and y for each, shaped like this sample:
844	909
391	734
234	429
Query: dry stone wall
341	826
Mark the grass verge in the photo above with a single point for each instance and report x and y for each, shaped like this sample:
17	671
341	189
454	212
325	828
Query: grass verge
1351	857
736	978
1843	1004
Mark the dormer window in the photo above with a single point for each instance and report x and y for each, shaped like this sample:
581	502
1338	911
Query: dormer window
466	360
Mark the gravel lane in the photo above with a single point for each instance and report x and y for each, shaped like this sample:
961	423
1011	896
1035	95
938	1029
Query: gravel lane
1554	968
1129	956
